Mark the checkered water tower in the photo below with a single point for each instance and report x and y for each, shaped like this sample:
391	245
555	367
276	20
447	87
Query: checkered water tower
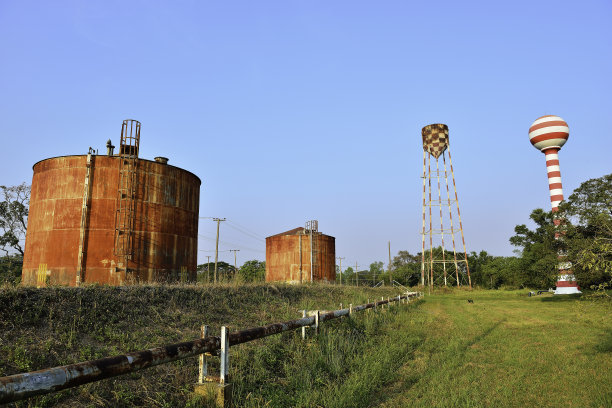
440	265
548	134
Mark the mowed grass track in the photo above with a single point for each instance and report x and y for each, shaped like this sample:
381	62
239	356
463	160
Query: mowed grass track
506	350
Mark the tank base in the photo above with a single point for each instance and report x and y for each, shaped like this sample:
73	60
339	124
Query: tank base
568	290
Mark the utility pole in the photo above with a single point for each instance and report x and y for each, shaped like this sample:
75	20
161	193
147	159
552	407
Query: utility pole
234	251
217	245
208	269
340	259
390	275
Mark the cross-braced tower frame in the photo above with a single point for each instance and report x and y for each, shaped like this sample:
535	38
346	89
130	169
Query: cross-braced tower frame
439	265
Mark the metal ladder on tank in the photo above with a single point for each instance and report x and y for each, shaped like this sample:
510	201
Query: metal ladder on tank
312	228
126	192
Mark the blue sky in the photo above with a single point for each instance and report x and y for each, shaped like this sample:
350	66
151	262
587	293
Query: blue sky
296	110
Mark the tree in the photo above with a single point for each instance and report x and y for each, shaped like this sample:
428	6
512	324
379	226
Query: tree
14	217
13	224
376	271
406	268
252	271
589	232
538	248
224	270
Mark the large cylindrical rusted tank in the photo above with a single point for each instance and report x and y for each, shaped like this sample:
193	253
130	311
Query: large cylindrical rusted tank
62	231
286	262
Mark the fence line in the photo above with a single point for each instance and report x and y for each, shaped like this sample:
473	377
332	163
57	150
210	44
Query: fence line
20	386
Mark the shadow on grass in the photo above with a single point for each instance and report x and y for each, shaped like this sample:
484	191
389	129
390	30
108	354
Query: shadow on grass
562	298
481	336
605	344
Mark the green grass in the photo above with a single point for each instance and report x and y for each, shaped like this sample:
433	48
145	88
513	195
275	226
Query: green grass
508	350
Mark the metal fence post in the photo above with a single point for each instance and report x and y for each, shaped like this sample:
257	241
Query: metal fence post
304	313
203	372
223	375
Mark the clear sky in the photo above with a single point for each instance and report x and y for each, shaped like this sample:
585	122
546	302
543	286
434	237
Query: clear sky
298	110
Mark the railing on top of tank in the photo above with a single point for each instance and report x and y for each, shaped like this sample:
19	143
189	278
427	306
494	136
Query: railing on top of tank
20	386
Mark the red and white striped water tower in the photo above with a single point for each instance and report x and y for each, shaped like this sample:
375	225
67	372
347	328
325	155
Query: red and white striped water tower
548	134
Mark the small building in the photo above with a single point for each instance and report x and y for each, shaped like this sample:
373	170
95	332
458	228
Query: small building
301	255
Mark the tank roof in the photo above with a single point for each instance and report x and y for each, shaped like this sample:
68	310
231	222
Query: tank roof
295	231
116	156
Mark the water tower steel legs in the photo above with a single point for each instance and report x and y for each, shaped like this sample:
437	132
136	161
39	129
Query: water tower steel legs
450	214
467	266
435	143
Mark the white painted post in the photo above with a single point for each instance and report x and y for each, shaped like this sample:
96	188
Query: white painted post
340	306
203	363
350	309
304	314
317	323
382	307
223	375
368	303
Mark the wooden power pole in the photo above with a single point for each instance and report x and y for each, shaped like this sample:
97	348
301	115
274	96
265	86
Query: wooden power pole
340	259
217	245
390	275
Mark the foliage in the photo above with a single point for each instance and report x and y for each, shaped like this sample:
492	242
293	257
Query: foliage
14	217
538	247
225	272
252	271
406	268
10	269
589	236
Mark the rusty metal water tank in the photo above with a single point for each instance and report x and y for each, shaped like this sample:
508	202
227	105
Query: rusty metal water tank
285	261
69	241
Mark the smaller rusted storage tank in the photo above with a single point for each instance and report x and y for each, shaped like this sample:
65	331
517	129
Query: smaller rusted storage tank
288	257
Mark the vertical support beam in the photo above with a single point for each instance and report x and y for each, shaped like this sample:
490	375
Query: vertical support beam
317	322
224	370
300	245
423	231
203	369
84	216
304	314
350	309
430	224
450	213
441	223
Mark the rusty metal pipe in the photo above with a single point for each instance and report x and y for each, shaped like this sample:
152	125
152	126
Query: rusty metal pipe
20	386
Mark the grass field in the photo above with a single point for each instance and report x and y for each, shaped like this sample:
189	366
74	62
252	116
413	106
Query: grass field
504	350
507	350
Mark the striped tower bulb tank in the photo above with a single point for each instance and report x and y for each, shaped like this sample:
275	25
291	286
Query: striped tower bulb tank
548	134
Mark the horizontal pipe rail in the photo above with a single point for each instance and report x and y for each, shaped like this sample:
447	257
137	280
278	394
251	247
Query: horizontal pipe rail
20	386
